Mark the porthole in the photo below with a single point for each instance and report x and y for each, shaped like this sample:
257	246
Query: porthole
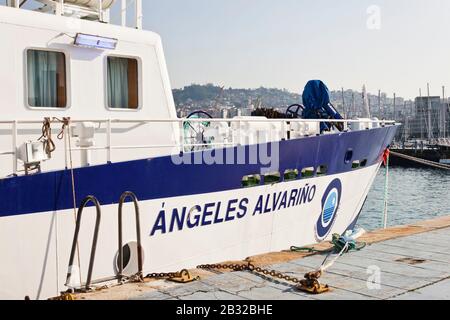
322	170
348	156
363	163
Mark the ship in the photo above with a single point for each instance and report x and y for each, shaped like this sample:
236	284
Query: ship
101	182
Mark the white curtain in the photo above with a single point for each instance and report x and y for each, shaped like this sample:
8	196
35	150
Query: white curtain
117	82
42	78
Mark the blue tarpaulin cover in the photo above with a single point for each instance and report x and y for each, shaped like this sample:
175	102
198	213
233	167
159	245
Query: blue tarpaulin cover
316	99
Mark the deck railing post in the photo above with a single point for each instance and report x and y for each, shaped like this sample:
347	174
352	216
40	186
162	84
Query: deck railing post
66	156
108	141
239	132
123	13
181	145
138	14
13	3
100	10
59	7
14	146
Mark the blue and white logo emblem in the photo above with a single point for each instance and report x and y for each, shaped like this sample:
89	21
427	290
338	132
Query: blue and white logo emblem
330	205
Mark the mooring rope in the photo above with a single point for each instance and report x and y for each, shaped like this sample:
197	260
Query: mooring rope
50	147
46	137
422	161
386	192
325	266
74	194
338	243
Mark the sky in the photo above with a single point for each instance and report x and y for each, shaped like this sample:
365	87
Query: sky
392	45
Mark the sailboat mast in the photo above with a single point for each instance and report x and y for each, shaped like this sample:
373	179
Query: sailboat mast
379	103
422	118
430	132
444	114
395	100
366	106
353	104
406	125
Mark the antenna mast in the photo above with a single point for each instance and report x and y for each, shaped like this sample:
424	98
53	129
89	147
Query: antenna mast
395	100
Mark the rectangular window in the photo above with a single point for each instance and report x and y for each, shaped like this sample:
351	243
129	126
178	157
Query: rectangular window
123	83
46	73
251	180
322	170
356	164
307	172
291	174
272	178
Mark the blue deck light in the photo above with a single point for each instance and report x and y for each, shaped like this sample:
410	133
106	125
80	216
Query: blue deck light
91	41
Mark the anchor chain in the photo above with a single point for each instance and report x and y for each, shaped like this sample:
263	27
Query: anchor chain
182	276
310	283
135	278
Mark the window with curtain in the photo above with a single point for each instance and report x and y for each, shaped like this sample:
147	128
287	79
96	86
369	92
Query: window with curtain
122	80
46	71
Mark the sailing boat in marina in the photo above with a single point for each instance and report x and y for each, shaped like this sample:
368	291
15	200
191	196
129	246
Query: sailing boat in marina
424	142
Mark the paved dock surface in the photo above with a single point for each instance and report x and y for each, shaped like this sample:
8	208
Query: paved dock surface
413	264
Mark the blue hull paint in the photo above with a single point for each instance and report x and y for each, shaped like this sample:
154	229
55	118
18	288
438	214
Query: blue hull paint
160	178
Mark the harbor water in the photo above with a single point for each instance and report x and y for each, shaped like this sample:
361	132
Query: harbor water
414	195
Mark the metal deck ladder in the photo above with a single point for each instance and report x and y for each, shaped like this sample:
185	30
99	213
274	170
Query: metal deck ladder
91	199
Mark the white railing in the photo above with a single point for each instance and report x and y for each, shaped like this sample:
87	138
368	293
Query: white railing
59	8
285	125
230	120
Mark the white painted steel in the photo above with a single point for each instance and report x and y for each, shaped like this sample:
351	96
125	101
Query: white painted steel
35	244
